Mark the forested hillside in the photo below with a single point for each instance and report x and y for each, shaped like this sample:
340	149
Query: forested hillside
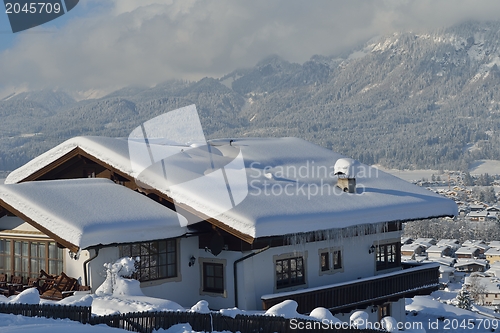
406	101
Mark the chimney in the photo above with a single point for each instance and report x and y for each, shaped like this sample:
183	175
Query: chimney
347	184
345	170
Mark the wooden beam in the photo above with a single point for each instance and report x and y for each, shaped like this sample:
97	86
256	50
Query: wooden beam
72	247
51	166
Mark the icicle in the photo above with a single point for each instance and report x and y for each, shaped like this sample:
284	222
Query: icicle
337	235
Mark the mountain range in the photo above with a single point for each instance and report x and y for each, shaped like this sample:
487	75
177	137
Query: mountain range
406	100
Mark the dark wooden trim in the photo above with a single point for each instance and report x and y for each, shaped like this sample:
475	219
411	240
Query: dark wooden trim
362	293
51	166
72	247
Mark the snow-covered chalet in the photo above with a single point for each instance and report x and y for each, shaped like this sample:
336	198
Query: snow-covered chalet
310	225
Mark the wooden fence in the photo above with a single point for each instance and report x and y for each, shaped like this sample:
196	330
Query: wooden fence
146	322
83	314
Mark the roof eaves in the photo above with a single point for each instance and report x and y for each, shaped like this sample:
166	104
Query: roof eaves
72	247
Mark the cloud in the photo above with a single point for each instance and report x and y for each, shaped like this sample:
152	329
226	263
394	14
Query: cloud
150	41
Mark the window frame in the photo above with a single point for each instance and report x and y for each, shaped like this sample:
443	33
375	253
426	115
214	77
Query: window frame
324	261
154	266
10	257
210	287
387	256
292	285
335	260
202	262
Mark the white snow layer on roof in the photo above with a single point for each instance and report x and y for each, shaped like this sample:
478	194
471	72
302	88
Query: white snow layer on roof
87	212
290	184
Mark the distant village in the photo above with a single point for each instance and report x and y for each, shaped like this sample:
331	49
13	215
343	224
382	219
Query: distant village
473	263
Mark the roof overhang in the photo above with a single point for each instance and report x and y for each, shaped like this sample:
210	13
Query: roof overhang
78	151
6	207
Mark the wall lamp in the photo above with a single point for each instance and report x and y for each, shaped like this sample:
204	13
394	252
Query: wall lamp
371	249
192	260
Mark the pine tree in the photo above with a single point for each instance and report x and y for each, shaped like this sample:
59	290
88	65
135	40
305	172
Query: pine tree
464	300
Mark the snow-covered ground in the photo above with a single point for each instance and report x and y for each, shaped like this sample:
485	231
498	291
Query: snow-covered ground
20	324
491	167
409	175
119	295
425	312
433	316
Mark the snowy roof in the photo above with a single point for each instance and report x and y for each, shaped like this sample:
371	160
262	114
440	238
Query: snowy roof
406	240
491	285
412	247
494	244
446	261
438	248
87	212
466	250
447	269
481	213
425	241
467	262
448	241
289	182
476	243
493	251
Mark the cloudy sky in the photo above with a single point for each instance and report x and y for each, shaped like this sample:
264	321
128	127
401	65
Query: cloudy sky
106	44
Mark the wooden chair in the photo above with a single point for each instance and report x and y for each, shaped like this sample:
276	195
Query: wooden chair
15	285
45	281
3	280
3	284
60	287
32	283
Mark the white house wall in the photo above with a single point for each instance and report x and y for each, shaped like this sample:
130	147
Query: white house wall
96	271
185	290
256	275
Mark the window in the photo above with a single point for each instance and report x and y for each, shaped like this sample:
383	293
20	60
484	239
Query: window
330	260
157	259
5	256
325	261
384	310
388	255
213	277
289	272
337	259
27	257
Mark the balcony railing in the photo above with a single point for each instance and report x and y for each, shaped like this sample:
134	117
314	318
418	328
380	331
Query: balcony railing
374	290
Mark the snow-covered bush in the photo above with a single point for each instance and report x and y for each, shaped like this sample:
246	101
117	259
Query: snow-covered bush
389	324
324	315
359	319
116	283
